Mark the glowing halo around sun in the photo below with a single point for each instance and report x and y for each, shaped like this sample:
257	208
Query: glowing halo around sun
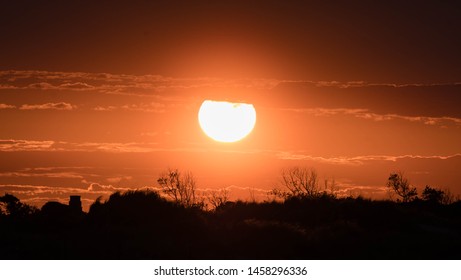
226	121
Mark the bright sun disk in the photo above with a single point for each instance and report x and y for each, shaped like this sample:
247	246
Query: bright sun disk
226	121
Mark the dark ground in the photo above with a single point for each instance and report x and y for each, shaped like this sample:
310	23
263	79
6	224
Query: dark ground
142	225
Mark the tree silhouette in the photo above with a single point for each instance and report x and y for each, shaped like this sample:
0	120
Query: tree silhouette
218	198
437	196
302	182
13	207
180	187
433	195
401	186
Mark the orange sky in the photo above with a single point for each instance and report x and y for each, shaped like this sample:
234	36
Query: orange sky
98	97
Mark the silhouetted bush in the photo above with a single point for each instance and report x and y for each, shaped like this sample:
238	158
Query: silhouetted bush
11	206
400	185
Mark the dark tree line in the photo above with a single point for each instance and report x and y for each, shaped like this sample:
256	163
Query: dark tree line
145	225
307	221
400	185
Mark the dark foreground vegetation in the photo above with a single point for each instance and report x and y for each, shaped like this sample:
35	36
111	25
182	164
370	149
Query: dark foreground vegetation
144	225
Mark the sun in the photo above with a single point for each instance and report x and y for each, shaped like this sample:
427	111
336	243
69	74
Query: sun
226	121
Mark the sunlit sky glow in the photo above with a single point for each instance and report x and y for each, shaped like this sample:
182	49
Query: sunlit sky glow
96	99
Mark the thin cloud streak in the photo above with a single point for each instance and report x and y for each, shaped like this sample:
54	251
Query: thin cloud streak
351	190
358	160
11	145
6	106
361	84
49	106
148	147
60	175
131	147
25	145
123	84
38	190
118	83
368	115
152	107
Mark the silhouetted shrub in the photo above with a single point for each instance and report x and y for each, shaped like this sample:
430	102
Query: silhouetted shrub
13	207
401	186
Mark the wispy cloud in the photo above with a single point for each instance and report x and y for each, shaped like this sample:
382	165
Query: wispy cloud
49	106
441	121
104	189
6	106
153	107
360	84
380	102
326	112
40	190
62	175
346	189
358	160
11	145
132	147
117	83
74	86
78	86
3	86
25	145
78	173
148	147
114	180
368	115
106	108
